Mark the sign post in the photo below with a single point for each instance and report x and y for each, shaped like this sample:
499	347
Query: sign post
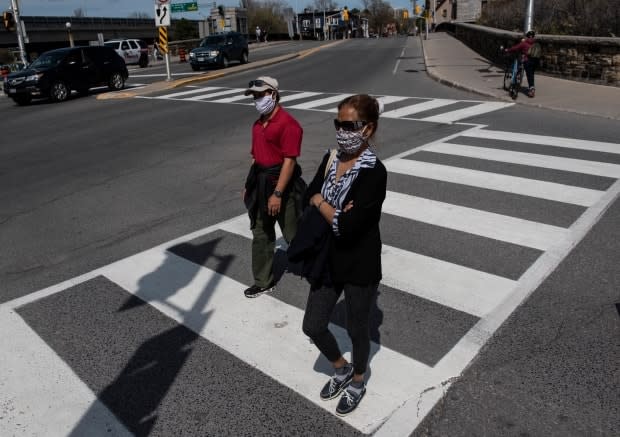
162	22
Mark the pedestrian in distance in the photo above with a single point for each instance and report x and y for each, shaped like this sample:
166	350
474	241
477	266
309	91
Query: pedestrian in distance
529	58
274	187
258	32
347	192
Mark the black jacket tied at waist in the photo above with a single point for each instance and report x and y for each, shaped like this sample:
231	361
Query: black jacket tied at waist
310	247
260	184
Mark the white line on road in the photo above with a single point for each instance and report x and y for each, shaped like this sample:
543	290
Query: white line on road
474	221
186	93
495	181
418	107
452	285
482	108
569	143
320	102
398	61
219	93
531	159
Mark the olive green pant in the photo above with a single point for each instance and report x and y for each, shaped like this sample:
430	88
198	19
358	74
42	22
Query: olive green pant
263	243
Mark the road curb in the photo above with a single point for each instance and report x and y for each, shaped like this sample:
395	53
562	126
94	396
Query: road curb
176	83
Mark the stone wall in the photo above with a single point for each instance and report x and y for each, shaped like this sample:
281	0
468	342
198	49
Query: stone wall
590	59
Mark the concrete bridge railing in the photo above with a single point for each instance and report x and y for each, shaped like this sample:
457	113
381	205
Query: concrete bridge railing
590	59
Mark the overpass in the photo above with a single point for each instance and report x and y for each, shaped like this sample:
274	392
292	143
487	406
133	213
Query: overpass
46	33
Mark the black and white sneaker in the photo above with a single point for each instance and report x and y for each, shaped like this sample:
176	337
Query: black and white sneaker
336	383
255	290
349	401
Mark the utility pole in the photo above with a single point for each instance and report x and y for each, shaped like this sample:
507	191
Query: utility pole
529	16
20	33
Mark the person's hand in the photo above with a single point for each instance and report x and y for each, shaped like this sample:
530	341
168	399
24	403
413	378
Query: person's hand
273	205
348	206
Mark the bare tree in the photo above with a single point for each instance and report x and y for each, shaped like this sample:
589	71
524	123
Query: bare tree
325	5
563	17
380	13
79	13
268	15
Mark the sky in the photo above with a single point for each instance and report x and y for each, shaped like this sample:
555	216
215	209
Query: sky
123	8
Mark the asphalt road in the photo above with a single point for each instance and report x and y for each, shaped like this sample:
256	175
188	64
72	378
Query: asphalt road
108	205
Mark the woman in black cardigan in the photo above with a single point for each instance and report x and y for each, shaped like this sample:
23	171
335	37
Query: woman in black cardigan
348	194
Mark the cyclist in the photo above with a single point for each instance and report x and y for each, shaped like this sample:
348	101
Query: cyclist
528	64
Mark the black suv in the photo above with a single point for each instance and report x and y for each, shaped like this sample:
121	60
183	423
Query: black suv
55	73
219	49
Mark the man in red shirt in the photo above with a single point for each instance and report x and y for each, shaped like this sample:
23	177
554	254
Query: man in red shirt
529	65
274	188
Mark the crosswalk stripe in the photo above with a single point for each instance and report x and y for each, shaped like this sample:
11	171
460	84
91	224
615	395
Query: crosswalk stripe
458	287
320	102
33	380
481	108
213	305
486	224
531	159
418	107
543	140
493	181
232	99
186	93
219	93
462	288
298	96
386	100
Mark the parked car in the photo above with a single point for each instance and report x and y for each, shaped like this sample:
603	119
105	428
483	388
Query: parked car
219	50
133	51
56	73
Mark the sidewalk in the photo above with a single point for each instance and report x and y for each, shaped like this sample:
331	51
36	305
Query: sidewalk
451	62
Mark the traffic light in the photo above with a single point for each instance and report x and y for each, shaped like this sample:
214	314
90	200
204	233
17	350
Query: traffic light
9	20
345	14
405	14
418	9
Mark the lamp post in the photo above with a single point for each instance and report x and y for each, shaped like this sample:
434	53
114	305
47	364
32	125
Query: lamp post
529	15
68	26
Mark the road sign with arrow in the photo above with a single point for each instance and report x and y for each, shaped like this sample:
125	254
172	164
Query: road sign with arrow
162	13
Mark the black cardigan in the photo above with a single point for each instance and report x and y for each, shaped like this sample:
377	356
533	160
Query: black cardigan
355	255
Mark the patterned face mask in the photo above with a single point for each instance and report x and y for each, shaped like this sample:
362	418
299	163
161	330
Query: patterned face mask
350	142
265	104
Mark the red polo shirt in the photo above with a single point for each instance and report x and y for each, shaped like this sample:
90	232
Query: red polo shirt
280	139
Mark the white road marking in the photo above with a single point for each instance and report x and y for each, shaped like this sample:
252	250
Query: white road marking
320	102
41	395
213	305
186	93
494	181
298	96
418	107
452	285
481	108
568	143
474	221
543	161
216	94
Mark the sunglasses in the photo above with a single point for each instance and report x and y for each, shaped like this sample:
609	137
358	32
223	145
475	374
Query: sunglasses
349	125
258	83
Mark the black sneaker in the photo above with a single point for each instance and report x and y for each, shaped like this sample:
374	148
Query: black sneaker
334	386
349	401
255	290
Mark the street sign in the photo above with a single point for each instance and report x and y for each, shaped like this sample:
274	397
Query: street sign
162	15
184	7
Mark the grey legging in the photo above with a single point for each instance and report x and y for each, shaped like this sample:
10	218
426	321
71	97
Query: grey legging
358	301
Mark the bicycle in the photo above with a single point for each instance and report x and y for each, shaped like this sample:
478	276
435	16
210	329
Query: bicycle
513	76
